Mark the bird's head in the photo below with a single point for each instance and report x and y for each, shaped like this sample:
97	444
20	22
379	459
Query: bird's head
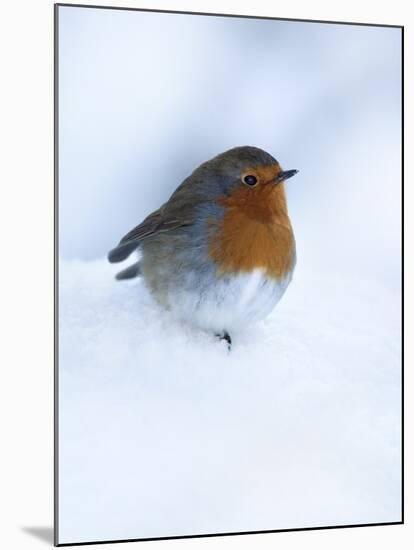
247	178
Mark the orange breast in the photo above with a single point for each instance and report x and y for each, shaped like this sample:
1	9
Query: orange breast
255	232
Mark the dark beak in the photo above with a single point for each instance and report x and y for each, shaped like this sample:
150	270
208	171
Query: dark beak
285	174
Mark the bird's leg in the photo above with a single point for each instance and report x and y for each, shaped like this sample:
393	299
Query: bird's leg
225	336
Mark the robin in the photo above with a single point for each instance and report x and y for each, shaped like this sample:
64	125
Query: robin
220	252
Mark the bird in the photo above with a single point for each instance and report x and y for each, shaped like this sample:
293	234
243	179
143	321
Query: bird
220	252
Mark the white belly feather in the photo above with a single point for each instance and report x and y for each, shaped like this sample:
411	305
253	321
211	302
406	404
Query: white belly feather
230	303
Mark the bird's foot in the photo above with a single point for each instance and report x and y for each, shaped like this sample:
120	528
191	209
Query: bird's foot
225	336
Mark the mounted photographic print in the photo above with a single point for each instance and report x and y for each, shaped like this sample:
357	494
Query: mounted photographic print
228	274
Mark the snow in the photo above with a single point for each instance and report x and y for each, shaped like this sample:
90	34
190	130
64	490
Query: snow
164	432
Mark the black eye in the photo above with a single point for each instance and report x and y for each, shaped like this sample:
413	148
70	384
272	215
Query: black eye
250	180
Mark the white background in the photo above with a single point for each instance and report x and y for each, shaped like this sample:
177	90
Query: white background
27	269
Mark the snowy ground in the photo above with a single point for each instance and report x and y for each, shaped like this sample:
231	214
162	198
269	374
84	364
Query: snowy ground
163	432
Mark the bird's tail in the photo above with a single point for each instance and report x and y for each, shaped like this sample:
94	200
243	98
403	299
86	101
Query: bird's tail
122	251
130	272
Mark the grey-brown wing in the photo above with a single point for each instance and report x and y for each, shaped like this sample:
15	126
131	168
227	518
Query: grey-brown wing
163	219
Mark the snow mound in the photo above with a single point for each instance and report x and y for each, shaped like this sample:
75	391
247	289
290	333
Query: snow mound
164	432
